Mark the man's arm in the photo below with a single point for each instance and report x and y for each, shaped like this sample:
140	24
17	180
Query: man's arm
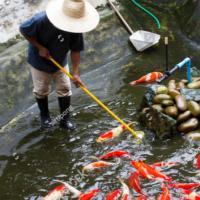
43	51
75	58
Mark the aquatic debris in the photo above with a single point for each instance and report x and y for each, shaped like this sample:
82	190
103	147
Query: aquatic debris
148	78
89	195
165	194
125	190
57	193
98	165
134	182
114	195
112	133
114	154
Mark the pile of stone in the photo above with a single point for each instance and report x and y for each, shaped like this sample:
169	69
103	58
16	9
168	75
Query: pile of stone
172	109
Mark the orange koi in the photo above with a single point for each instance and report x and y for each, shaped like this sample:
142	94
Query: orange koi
56	194
113	154
114	195
148	78
134	182
165	194
155	173
141	197
163	164
198	161
112	133
89	195
185	186
97	165
125	191
191	195
141	170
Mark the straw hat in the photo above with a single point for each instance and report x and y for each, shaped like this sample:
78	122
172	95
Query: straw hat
76	16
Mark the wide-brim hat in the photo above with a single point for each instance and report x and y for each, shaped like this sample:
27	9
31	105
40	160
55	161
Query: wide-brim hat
76	16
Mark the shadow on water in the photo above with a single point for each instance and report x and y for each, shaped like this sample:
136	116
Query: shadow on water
30	158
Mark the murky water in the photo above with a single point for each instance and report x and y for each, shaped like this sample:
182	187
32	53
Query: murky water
30	159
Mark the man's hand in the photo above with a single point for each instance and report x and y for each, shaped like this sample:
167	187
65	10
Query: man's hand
77	80
44	52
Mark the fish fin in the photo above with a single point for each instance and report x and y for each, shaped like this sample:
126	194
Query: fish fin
133	83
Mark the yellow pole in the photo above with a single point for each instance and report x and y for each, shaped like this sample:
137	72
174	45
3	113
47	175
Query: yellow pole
96	99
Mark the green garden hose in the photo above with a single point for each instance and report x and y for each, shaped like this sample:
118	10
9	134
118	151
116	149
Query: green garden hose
148	12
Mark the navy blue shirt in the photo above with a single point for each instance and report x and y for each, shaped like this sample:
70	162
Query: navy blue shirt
58	42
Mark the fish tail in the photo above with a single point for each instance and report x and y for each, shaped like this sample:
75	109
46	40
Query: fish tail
133	83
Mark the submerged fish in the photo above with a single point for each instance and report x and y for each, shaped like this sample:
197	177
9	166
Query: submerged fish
141	197
191	195
163	164
125	191
114	154
97	165
148	78
89	195
198	161
114	195
112	133
57	193
185	186
134	182
165	194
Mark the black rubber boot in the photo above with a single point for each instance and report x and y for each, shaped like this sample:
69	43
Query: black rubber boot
44	112
65	122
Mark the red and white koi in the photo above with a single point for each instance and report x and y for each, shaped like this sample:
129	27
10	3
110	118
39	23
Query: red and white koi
114	154
125	191
165	194
134	182
148	78
89	195
163	164
141	197
186	186
57	193
114	195
191	195
198	162
116	132
75	193
97	165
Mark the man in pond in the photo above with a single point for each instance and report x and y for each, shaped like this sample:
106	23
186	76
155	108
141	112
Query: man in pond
54	33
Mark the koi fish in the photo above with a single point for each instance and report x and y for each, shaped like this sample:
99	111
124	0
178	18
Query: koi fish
141	197
125	191
191	195
113	154
112	133
165	194
75	193
141	170
163	164
198	161
185	186
114	195
148	78
134	182
97	165
89	195
155	173
56	194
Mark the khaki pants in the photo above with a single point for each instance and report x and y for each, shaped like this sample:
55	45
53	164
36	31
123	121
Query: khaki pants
42	82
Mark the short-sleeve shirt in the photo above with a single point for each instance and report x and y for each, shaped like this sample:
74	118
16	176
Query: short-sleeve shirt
58	42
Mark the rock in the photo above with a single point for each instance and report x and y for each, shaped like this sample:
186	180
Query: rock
194	135
181	103
194	85
194	108
172	85
172	111
191	94
160	97
189	125
184	116
173	93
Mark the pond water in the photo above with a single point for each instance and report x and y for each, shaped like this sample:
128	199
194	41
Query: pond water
30	159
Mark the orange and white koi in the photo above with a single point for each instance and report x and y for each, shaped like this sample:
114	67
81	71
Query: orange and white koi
134	182
98	165
141	197
141	170
114	154
116	132
165	194
148	78
198	162
114	195
163	164
186	186
89	195
125	191
57	193
191	195
75	193
155	173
